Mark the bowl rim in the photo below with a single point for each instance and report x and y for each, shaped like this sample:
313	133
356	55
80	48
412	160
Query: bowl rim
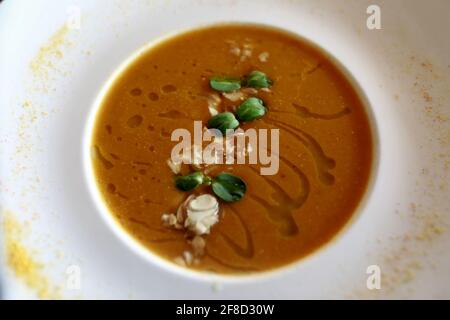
147	254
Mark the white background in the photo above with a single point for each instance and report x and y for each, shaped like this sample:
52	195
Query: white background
403	68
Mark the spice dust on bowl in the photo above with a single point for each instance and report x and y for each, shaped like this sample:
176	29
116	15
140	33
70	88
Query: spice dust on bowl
231	149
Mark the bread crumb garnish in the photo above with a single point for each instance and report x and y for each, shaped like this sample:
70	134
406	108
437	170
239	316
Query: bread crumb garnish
263	56
198	245
213	104
195	216
242	51
22	261
174	166
234	96
202	214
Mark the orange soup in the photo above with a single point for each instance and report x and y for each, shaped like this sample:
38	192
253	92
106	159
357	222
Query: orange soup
238	77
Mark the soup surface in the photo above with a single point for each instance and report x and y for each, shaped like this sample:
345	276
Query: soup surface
325	148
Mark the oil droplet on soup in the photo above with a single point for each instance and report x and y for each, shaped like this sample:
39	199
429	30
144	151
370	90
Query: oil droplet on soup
325	149
135	121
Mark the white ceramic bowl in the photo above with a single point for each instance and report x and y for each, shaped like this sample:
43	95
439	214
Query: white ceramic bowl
144	252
